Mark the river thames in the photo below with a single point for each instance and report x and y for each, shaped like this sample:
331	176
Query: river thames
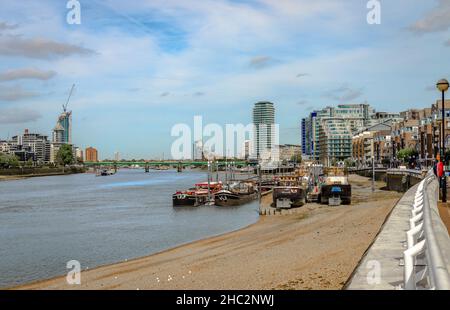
47	221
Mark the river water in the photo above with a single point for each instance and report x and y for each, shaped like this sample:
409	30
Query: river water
47	221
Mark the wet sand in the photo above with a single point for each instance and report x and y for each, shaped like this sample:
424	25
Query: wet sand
9	177
317	247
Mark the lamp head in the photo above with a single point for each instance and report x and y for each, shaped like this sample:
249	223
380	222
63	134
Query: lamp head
442	85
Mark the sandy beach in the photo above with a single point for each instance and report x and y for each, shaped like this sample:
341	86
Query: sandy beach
317	247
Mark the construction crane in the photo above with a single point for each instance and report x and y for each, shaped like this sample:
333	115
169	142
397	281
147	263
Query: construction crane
67	102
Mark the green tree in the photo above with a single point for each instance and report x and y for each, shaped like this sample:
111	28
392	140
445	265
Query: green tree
8	161
407	154
65	155
349	163
297	158
29	163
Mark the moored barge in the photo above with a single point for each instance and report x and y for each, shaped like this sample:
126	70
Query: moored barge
335	189
196	196
289	193
236	194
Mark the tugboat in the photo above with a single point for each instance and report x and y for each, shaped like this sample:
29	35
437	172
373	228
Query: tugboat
196	196
289	193
236	194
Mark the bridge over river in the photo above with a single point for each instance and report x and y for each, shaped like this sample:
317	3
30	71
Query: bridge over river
161	163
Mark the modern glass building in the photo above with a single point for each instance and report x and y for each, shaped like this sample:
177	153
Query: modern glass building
340	122
335	140
264	122
303	135
65	120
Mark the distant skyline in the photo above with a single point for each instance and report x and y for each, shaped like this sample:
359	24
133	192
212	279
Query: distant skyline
141	67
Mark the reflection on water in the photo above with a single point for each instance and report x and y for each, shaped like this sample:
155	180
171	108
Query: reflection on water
47	221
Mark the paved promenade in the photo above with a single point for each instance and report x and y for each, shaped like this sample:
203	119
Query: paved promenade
386	253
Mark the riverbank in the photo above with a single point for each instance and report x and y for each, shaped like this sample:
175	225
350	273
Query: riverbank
17	173
316	248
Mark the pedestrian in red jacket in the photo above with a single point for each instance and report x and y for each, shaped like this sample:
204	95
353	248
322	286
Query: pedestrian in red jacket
440	169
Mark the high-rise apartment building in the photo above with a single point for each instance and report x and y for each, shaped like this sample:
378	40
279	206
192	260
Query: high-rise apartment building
247	148
62	134
33	143
79	154
65	120
342	122
335	140
91	154
264	131
198	150
116	156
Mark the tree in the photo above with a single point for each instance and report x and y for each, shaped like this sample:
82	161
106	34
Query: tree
29	163
348	162
297	158
65	155
8	161
407	154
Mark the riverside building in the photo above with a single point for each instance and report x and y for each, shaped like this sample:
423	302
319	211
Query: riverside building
264	129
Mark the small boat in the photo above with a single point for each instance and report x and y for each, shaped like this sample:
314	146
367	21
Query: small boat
105	172
236	194
196	196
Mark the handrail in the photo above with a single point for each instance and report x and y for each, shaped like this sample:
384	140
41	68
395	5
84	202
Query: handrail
423	243
402	171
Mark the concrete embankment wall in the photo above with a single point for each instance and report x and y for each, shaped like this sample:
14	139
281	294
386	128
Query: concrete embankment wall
401	182
379	175
395	181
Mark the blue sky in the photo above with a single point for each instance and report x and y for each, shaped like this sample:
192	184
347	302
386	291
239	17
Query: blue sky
141	67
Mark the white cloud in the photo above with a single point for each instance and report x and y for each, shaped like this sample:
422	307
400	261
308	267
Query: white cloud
436	20
40	48
27	73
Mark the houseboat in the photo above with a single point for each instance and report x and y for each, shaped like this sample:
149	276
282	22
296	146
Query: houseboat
235	194
197	195
289	192
335	188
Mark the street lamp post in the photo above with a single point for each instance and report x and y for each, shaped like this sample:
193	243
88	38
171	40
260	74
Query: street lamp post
442	85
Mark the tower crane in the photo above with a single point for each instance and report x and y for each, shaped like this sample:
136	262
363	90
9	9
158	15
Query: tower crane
70	95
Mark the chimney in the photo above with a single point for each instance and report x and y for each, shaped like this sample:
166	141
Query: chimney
26	131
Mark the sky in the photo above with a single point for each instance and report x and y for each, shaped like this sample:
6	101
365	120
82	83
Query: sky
141	67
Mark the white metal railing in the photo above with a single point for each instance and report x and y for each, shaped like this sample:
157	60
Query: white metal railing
425	265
